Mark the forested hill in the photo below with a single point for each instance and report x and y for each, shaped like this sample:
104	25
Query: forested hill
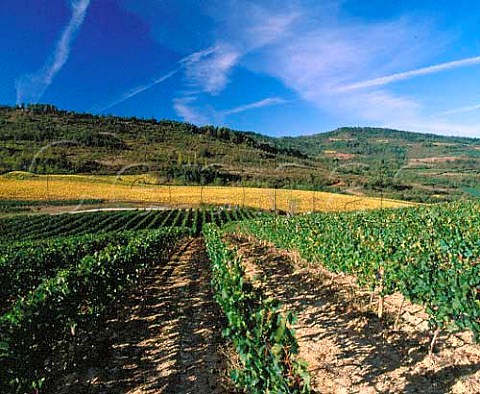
373	161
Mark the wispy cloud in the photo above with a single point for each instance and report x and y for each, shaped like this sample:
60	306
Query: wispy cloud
461	110
270	29
426	125
246	27
316	59
31	87
210	71
189	109
257	104
410	74
198	55
251	26
205	72
183	107
329	58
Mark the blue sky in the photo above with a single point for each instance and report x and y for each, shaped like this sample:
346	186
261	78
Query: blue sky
280	68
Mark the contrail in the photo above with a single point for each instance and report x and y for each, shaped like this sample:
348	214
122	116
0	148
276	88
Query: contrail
140	89
194	57
409	74
31	87
461	110
257	104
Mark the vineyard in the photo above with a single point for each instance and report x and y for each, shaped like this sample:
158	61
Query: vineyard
430	255
61	273
239	197
223	299
22	228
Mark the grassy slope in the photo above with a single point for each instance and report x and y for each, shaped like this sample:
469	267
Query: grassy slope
352	160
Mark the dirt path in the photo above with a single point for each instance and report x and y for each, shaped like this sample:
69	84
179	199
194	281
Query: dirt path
350	350
167	337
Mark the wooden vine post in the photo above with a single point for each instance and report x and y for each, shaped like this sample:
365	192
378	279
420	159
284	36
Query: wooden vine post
434	339
381	273
400	310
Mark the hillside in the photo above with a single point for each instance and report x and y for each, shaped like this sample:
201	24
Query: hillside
402	163
43	139
369	161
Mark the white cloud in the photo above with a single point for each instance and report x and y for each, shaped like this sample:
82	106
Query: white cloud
424	125
270	29
205	71
183	107
244	27
249	25
210	71
342	51
314	60
30	88
197	56
257	104
330	59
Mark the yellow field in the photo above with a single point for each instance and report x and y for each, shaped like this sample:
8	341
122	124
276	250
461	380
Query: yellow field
135	189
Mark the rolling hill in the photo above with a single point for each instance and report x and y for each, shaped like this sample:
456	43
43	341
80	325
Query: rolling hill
369	161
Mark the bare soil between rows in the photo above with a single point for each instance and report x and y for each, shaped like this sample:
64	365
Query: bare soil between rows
165	337
348	348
